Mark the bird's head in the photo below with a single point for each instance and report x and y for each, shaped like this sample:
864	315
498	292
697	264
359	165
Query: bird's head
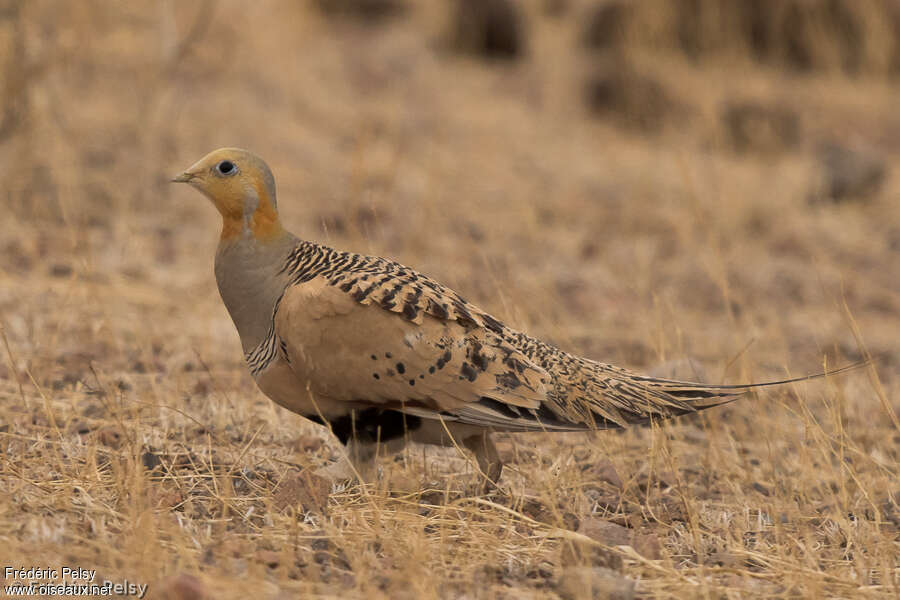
241	187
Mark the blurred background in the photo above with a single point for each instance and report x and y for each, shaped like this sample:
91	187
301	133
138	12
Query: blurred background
704	189
638	181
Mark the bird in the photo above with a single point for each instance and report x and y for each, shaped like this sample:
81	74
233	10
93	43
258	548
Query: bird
383	355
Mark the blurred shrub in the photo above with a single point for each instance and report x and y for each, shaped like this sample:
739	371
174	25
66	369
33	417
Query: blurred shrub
752	126
619	91
555	8
852	36
488	28
14	70
365	10
608	23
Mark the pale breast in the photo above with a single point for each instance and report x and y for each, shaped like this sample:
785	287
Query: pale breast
279	383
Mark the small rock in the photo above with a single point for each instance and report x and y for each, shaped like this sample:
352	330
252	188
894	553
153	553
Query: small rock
647	545
80	427
151	459
169	499
17	256
269	558
670	510
577	583
402	482
603	470
580	553
849	174
93	410
725	559
538	510
303	489
651	480
605	532
180	587
631	518
603	502
516	453
60	270
761	488
110	436
667	478
309	443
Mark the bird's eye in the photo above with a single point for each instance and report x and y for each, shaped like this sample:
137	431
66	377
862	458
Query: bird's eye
226	167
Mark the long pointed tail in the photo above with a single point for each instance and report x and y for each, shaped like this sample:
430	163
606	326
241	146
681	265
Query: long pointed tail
687	389
640	399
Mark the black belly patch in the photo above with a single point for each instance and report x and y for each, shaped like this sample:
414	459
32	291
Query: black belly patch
370	425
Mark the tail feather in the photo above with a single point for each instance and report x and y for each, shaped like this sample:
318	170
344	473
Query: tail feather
685	388
685	397
624	399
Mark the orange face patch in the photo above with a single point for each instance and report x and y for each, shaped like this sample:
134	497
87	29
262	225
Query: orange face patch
263	223
236	182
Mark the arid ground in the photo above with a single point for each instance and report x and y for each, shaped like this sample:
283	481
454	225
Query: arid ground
702	191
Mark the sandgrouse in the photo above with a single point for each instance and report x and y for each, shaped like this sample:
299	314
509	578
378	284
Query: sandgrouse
383	354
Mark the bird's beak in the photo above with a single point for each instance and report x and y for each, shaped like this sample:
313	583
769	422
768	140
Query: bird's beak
185	177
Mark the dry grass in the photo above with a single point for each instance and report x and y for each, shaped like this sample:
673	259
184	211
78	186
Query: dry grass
134	441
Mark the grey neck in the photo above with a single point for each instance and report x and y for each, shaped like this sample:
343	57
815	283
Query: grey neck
247	273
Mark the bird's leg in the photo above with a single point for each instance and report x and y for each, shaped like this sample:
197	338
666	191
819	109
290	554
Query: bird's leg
361	454
487	457
359	460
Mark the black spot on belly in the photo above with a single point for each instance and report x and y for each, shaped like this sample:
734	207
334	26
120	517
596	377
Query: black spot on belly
374	357
443	360
412	382
371	425
388	355
431	369
477	357
401	368
376	376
